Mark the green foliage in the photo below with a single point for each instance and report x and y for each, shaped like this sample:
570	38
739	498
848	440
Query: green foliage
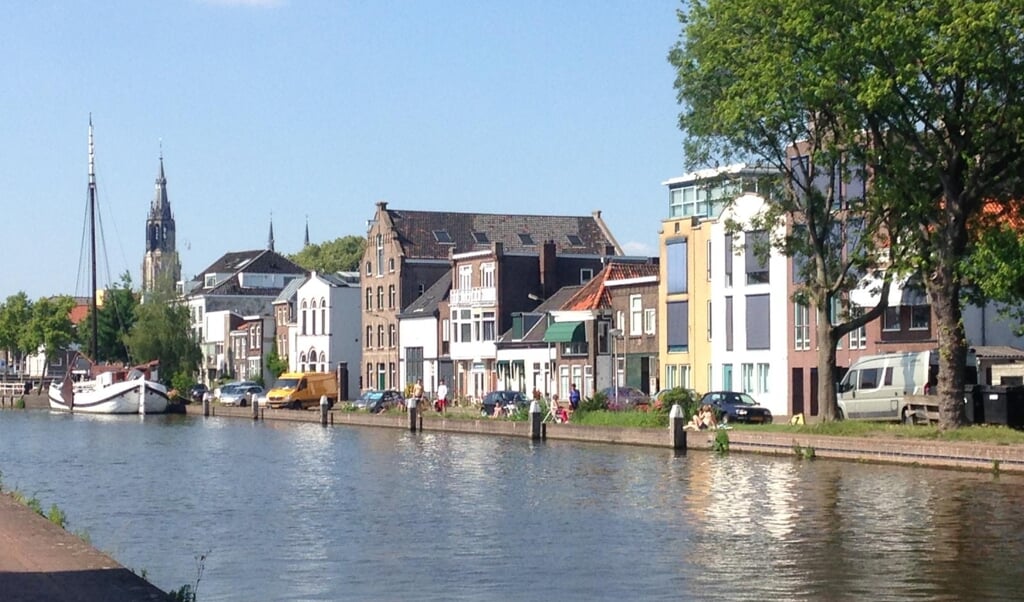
803	453
162	331
338	255
57	516
114	320
687	399
721	442
183	594
35	505
181	381
49	326
995	270
275	363
20	403
622	419
592	404
15	314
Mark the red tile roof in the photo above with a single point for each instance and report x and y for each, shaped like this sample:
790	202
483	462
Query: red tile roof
595	294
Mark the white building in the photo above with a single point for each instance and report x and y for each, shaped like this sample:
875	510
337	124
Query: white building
327	324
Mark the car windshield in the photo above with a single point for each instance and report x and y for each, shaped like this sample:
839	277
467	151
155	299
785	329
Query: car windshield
372	395
286	383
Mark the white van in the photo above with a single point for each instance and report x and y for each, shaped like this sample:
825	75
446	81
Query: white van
876	386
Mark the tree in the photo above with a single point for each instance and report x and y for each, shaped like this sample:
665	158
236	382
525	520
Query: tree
49	327
275	363
742	103
995	266
926	97
339	255
14	317
162	332
114	320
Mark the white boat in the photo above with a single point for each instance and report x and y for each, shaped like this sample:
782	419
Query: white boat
117	391
102	395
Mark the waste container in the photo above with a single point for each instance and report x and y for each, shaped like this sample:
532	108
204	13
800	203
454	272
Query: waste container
993	404
974	409
1015	406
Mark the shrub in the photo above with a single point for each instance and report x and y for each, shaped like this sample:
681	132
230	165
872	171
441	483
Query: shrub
721	442
592	404
687	399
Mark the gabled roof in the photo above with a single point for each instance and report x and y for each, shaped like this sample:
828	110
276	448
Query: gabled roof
259	261
595	294
433	234
426	304
552	303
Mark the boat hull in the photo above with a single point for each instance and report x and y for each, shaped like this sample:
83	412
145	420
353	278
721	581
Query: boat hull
128	397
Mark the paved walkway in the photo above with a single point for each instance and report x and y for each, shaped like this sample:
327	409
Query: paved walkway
40	561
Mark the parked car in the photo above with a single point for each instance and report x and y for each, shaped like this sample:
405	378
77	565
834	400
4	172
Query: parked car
196	392
237	395
375	400
219	390
626	398
730	406
503	398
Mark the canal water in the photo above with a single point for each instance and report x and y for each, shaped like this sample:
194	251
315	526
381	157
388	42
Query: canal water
292	511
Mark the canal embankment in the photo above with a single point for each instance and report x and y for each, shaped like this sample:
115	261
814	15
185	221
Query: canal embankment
939	454
40	561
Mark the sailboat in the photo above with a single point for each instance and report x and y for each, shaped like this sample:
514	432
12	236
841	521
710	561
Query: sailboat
116	391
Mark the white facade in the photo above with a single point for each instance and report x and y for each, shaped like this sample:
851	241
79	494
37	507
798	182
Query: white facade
761	371
216	329
327	328
419	333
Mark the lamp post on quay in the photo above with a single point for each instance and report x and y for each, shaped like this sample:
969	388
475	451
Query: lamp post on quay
615	333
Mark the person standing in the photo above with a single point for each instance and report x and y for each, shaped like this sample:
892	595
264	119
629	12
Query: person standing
574	397
442	396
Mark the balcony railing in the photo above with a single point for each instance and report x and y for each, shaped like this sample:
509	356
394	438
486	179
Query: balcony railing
473	296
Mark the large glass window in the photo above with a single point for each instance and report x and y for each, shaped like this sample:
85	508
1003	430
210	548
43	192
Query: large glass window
747	378
488	326
891	318
487	275
801	327
762	378
755	250
727	377
758	322
380	254
920	317
678	326
676	251
465	277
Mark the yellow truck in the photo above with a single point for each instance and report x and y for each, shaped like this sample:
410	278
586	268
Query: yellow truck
301	390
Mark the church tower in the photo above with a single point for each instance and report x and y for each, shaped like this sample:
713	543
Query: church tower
160	265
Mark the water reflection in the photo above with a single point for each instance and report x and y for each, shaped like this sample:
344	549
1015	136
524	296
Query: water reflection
292	511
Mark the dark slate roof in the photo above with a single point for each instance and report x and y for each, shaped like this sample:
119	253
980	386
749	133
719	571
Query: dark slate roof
426	304
572	235
552	303
259	261
998	352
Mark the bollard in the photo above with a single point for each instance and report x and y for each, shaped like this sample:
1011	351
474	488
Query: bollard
676	425
206	406
255	403
323	410
410	405
535	421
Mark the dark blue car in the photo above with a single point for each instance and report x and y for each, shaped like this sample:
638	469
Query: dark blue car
731	406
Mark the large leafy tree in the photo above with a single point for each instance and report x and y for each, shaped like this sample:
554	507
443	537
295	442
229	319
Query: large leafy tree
14	317
926	96
114	320
49	327
742	102
162	332
338	255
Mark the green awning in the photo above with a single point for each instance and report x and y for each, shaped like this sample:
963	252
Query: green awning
565	332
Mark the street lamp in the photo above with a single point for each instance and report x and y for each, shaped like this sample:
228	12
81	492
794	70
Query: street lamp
615	333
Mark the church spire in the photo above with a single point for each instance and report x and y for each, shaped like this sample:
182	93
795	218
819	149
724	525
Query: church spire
270	238
305	243
160	264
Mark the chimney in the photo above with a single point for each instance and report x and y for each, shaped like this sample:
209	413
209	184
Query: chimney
548	278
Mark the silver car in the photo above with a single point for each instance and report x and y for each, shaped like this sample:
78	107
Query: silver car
238	395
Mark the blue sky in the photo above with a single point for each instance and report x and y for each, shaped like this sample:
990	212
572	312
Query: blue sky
303	108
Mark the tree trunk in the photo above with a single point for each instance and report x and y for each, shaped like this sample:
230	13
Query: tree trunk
945	291
825	338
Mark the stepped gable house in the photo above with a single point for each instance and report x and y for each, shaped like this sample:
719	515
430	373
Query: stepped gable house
408	251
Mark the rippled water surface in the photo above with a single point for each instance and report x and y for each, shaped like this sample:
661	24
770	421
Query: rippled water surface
288	511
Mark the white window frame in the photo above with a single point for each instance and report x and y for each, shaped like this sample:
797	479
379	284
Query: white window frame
636	313
650	320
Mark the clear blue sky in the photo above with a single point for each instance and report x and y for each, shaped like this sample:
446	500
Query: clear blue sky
321	108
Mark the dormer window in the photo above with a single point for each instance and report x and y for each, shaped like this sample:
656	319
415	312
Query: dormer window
526	238
443	237
481	238
210	281
575	240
